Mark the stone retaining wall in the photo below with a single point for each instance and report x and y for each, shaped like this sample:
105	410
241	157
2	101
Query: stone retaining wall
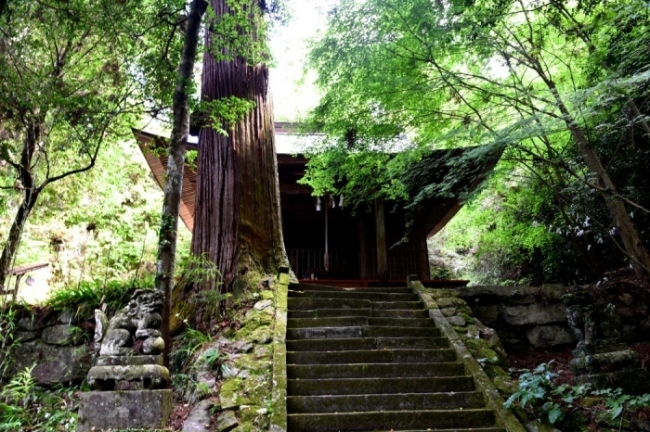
58	345
522	316
536	316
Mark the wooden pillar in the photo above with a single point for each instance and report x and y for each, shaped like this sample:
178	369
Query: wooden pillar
382	255
420	237
363	249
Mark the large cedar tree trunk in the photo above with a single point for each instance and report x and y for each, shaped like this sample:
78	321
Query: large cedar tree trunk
237	218
176	161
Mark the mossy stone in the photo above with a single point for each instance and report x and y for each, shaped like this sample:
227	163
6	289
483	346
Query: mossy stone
232	394
267	295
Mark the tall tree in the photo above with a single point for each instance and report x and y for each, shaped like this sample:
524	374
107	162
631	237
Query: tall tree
175	164
73	75
237	221
491	72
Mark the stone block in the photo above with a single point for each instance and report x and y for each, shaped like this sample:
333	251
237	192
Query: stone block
138	409
534	314
129	360
549	336
487	314
62	335
199	418
26	335
624	359
53	364
450	311
226	422
632	381
147	376
457	321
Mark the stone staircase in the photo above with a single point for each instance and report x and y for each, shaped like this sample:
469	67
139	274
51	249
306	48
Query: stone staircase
371	359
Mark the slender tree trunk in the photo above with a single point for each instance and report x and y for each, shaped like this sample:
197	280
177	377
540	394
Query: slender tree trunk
631	241
237	218
175	164
15	233
31	192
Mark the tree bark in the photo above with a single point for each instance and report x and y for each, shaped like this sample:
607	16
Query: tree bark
237	221
31	192
632	243
176	161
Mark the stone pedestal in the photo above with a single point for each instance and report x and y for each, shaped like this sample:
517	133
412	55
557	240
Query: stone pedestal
134	409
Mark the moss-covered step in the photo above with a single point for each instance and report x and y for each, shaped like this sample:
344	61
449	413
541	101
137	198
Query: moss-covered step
374	296
402	322
311	303
313	287
390	331
365	343
372	356
360	331
325	333
489	429
364	312
431	420
327	313
344	321
384	402
359	386
400	313
375	370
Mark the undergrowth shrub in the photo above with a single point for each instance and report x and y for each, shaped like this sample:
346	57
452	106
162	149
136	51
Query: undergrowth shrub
551	403
90	295
24	406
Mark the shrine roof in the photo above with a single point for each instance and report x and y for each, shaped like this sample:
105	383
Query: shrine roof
462	170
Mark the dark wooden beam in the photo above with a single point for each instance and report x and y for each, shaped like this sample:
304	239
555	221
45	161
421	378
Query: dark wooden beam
364	260
382	253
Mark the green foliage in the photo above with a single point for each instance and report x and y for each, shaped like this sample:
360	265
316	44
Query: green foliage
8	319
551	402
88	296
537	389
617	402
225	113
25	406
241	32
501	74
186	346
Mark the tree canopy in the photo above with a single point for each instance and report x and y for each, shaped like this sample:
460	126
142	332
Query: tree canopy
556	83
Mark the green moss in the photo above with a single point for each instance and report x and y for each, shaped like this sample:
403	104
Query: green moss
267	295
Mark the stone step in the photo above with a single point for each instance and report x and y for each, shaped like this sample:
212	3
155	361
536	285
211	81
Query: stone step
378	386
314	287
388	331
374	370
489	429
310	303
402	322
365	343
431	420
374	296
366	312
360	331
384	402
346	321
329	313
372	356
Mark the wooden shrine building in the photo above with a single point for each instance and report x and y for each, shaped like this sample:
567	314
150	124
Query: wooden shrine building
310	225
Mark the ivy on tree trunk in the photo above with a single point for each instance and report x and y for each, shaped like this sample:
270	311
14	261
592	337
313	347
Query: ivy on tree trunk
237	221
175	165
